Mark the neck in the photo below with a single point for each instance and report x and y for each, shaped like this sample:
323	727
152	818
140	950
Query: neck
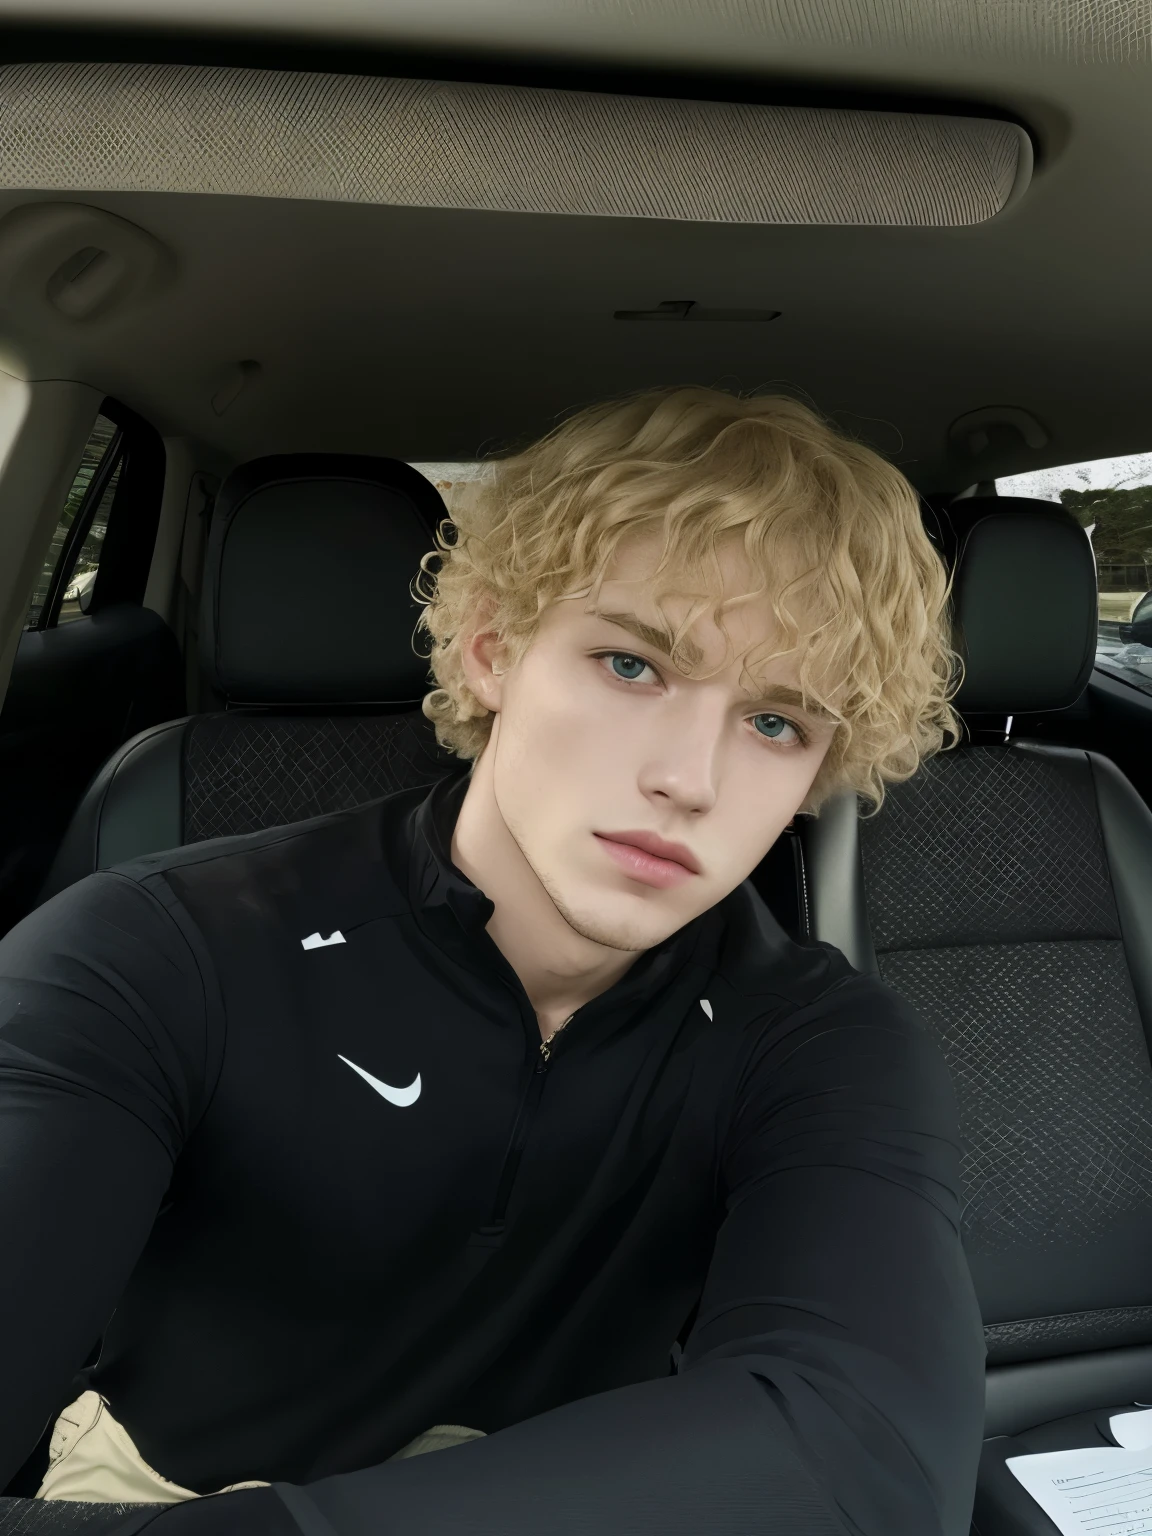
559	969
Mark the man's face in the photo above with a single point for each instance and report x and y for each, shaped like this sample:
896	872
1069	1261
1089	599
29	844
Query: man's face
640	796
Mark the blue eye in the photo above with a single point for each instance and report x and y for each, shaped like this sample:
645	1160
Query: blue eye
773	726
628	667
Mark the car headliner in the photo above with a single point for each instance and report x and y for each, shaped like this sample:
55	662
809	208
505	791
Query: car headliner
431	333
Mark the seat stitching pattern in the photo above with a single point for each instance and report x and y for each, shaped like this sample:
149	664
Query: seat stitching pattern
62	1517
247	774
1053	1083
985	845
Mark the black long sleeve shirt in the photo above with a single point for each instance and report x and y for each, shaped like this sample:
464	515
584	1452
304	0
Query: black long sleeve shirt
276	1126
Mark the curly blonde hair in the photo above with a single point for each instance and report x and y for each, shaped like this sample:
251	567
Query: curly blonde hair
834	531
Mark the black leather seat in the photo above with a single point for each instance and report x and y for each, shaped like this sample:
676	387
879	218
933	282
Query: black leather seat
307	640
1006	892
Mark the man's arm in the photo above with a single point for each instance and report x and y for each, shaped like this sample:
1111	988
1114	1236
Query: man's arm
833	1384
102	1048
838	1278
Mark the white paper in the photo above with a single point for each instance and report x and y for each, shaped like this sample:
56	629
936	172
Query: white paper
1133	1430
1103	1491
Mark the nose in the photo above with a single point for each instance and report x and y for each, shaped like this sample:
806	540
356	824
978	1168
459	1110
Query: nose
682	768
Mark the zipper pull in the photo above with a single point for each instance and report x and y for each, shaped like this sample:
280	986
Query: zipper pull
546	1045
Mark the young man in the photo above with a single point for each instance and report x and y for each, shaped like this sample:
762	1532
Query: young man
465	1111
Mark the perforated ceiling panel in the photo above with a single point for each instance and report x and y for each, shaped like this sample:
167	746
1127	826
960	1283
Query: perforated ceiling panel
260	133
1081	30
727	33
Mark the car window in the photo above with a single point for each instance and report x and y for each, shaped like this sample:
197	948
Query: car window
448	475
83	574
1112	499
74	560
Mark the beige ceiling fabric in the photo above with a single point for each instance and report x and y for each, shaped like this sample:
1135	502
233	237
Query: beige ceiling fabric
1083	31
726	33
419	143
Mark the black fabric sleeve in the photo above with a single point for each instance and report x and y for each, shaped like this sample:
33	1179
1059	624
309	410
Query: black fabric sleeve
833	1384
838	1280
103	1063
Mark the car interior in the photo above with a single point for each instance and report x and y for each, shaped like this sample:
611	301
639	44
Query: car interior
273	286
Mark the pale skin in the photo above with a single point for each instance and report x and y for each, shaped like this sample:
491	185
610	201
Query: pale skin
594	734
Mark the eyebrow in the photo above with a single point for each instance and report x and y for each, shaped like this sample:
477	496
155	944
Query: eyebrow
650	634
792	698
662	640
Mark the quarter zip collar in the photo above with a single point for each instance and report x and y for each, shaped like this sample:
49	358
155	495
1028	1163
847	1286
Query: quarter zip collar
440	893
454	913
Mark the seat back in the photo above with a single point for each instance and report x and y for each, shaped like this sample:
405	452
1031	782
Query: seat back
307	642
1006	892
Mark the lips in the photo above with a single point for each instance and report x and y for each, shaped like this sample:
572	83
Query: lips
650	859
658	847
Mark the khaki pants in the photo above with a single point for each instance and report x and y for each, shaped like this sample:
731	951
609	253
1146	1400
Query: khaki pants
93	1459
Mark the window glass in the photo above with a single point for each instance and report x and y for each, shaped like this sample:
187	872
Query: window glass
83	573
84	567
1112	498
447	476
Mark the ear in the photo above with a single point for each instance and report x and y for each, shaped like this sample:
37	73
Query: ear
481	658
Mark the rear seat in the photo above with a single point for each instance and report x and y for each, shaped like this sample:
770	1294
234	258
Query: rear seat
306	640
1006	892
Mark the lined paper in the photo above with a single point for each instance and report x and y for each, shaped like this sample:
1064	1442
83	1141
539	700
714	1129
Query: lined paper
1102	1491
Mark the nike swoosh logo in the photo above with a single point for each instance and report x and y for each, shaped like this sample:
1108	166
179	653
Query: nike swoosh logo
314	941
707	1006
401	1097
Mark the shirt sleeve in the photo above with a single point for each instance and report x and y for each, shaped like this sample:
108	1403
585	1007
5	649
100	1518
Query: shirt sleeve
833	1383
839	1280
102	1065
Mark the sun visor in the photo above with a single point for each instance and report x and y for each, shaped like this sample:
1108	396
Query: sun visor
93	127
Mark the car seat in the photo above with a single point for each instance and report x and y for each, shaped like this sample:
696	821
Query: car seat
1006	892
307	641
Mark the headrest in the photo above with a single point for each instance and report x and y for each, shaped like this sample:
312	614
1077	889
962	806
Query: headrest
306	582
1024	603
